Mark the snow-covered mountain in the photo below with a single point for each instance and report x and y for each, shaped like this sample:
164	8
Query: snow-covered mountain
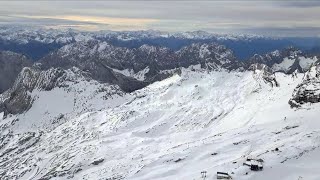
54	93
37	42
26	34
133	69
176	128
308	91
32	81
287	60
92	110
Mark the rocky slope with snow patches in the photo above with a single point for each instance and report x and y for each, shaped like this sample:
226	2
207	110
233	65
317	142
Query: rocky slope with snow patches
287	60
51	98
262	71
37	42
10	66
32	83
91	110
28	34
135	68
308	91
197	121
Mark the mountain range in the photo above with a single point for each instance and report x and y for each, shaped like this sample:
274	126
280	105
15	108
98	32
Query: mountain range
93	109
35	42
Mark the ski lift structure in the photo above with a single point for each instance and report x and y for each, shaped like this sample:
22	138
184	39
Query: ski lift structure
254	164
223	175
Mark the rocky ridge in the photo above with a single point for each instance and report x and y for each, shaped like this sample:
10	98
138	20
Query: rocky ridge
308	91
10	66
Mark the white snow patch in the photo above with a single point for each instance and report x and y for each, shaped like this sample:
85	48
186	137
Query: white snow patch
306	63
284	65
130	73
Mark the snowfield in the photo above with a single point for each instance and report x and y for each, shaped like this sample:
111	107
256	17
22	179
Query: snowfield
172	129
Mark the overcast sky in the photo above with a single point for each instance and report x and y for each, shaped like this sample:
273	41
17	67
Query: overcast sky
273	18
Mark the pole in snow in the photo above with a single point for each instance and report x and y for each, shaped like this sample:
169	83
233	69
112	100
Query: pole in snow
203	174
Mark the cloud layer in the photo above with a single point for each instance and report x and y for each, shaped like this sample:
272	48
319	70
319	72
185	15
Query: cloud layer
274	18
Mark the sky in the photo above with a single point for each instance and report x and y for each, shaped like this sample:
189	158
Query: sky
271	18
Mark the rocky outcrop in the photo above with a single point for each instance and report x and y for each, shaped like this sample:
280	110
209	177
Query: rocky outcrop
107	64
19	98
276	57
288	60
104	61
10	66
308	91
210	56
262	71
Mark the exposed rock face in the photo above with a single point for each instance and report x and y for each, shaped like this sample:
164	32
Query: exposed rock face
10	66
135	68
288	60
108	64
104	61
308	91
211	56
276	56
264	72
19	98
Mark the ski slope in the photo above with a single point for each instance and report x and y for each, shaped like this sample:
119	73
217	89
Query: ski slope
174	129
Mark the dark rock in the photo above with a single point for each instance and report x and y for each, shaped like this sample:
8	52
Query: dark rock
10	66
178	160
308	91
97	162
100	60
276	57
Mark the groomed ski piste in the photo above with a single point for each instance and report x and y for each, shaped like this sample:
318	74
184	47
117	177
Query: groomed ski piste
172	129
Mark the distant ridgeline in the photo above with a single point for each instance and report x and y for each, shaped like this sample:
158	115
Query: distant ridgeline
35	50
37	43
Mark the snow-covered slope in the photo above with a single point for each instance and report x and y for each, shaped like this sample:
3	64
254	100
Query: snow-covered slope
172	129
41	99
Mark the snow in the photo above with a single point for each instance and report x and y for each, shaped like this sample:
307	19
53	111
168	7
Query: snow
63	40
284	65
74	99
204	51
130	73
25	35
306	63
275	53
178	127
83	37
102	46
301	165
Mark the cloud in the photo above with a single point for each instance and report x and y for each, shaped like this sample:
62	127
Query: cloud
90	19
300	4
214	16
284	32
80	22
